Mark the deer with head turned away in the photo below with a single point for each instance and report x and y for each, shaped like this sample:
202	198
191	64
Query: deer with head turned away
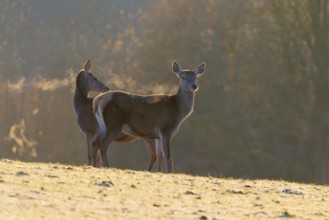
147	116
87	82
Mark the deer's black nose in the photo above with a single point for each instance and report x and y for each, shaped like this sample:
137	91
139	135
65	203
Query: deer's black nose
194	87
107	88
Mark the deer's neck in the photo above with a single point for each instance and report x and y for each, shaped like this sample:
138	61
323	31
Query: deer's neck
80	97
185	102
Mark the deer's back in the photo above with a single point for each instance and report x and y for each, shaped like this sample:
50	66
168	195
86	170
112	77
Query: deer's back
142	115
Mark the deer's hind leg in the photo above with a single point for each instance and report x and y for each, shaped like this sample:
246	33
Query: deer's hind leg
159	154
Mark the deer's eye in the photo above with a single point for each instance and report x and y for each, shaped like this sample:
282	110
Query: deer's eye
95	79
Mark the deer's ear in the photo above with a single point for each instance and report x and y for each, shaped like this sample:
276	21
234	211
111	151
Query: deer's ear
87	66
176	68
200	69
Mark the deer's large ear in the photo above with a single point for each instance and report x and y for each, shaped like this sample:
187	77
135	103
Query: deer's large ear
200	69
87	66
176	68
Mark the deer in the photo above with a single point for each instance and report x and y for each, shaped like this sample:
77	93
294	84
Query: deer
87	82
156	116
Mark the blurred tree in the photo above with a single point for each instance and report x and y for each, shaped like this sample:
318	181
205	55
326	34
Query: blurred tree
262	107
13	23
303	28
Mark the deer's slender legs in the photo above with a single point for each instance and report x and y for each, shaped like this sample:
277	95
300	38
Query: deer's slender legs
98	158
165	140
150	145
159	154
90	149
171	164
90	152
94	149
108	139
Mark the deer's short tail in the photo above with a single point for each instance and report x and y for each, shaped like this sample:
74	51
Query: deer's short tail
99	104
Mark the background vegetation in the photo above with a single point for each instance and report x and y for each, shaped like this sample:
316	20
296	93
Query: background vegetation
262	110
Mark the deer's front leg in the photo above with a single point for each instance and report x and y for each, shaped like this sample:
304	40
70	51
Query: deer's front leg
90	153
165	141
98	158
90	149
94	149
150	145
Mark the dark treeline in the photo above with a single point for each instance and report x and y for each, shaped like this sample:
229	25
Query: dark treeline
262	110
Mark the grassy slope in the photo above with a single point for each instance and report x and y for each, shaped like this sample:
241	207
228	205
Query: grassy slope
55	191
